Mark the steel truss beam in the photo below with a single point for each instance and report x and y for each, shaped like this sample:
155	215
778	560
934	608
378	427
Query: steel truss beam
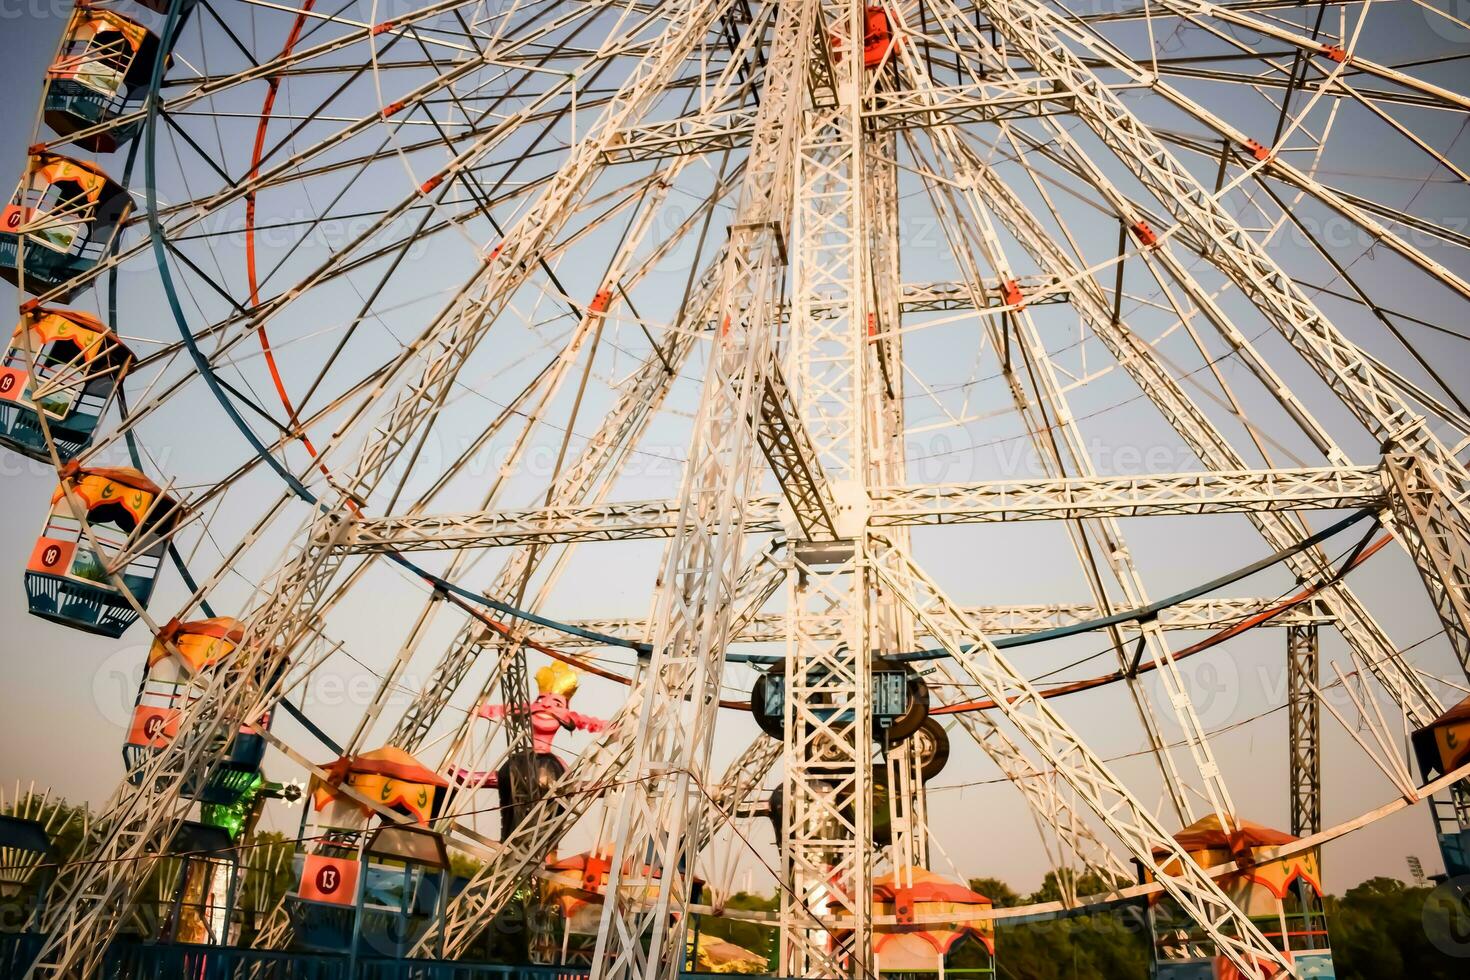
1304	726
661	803
1158	495
788	449
945	297
727	129
826	834
1061	749
1017	620
1433	524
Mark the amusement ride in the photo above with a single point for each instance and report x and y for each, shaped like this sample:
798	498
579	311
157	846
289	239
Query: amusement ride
490	350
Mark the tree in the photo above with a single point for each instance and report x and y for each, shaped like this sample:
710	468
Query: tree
1383	929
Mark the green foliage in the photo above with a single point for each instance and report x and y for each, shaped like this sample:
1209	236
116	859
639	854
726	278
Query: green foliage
999	893
1111	943
1383	929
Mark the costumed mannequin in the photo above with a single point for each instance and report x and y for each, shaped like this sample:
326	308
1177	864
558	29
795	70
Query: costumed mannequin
549	714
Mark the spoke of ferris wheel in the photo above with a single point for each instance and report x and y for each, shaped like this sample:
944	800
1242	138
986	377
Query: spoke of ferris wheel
1276	165
1451	415
594	772
1107	532
1338	91
513	674
590	476
1145	10
1372	648
1337	361
1234	934
1278	31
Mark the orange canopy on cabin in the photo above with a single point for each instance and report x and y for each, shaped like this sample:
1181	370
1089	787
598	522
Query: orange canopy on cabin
910	894
202	643
89	22
927	887
52	167
1254	848
1206	834
388	775
1443	745
121	486
87	332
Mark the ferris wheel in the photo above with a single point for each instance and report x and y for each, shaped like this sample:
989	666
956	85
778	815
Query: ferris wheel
692	351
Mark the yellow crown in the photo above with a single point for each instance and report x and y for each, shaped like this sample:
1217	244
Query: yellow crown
557	678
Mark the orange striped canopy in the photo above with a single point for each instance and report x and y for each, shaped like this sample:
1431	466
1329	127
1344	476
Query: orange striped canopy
202	642
1254	847
121	486
52	167
388	775
48	324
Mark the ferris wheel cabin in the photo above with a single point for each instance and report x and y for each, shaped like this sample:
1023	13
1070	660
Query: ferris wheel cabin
60	224
1440	748
63	365
370	889
101	74
1281	894
129	518
181	663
